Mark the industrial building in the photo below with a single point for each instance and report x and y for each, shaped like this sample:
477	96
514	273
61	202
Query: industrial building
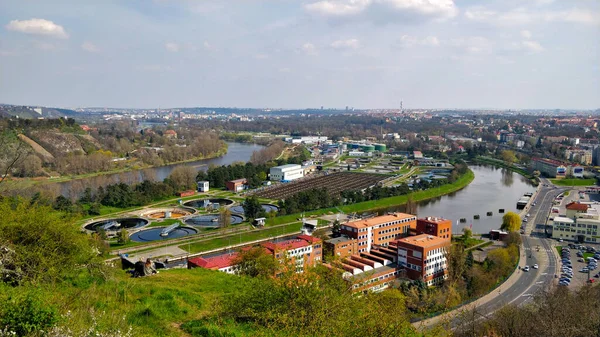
549	168
286	172
237	185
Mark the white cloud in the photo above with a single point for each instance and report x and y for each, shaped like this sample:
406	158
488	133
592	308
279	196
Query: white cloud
408	41
473	44
261	56
532	46
523	16
384	10
526	34
38	27
346	44
172	47
309	49
90	47
285	70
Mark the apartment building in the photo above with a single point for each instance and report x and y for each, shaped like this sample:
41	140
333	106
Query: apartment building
439	227
549	168
304	250
380	230
581	224
424	257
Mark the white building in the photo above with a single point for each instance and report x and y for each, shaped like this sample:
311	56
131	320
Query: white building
579	225
286	172
307	140
203	186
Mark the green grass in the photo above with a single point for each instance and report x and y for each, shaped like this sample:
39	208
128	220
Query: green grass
573	182
559	249
222	242
463	181
468	243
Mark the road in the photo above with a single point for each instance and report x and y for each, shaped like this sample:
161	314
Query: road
521	286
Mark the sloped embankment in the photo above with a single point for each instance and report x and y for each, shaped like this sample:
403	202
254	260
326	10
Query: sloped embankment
47	156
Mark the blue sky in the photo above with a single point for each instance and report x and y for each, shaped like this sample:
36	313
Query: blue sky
296	54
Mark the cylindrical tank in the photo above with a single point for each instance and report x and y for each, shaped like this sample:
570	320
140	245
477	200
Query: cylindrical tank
380	147
368	148
354	146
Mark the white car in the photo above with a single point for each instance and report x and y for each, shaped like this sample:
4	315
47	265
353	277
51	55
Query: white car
526	268
535	266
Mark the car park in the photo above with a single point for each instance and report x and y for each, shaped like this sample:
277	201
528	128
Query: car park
580	259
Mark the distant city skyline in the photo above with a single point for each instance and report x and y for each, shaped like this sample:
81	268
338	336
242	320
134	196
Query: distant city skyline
436	54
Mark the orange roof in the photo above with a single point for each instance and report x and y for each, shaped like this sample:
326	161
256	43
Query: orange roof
378	220
423	240
298	242
170	132
576	206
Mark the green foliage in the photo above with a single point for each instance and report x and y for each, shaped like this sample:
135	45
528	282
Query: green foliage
123	236
252	208
203	328
48	247
255	262
309	200
27	314
511	222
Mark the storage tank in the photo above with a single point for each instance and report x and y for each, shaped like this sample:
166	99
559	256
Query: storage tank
368	148
380	147
354	146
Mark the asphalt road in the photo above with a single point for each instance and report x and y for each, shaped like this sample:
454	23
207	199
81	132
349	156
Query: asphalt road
529	283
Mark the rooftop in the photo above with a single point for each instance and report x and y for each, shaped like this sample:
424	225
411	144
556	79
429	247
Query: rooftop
563	219
423	240
299	242
287	166
340	239
576	206
242	180
364	223
431	219
214	262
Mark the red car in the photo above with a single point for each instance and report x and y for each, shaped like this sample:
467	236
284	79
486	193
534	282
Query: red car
591	280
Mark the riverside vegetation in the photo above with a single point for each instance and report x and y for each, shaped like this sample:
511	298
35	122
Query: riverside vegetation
55	284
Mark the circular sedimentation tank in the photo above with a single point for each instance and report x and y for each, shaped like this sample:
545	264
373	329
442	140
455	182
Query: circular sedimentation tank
199	203
153	234
171	214
267	207
116	224
211	221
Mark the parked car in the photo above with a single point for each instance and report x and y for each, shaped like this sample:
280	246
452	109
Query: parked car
535	266
591	280
526	268
584	270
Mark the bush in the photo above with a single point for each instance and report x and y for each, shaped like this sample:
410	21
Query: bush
27	315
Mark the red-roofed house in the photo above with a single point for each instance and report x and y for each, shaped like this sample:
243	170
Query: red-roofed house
170	134
576	207
222	263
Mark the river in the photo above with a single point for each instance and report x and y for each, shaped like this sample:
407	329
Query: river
235	152
492	189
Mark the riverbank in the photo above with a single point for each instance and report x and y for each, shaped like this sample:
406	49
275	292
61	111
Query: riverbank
29	182
500	163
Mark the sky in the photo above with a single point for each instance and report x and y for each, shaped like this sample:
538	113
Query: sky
468	54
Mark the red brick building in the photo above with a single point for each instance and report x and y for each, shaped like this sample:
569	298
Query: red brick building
434	226
236	185
424	257
380	230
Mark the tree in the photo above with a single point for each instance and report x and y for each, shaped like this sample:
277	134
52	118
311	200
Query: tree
411	205
256	262
513	238
511	222
336	228
224	218
123	236
183	178
252	208
509	157
467	234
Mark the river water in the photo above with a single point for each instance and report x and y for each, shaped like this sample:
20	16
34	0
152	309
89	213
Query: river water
492	189
235	152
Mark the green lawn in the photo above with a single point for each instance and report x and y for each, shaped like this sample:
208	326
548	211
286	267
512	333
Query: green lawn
470	242
241	238
574	182
417	196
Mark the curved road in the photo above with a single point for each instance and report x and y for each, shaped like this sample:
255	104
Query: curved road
520	287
